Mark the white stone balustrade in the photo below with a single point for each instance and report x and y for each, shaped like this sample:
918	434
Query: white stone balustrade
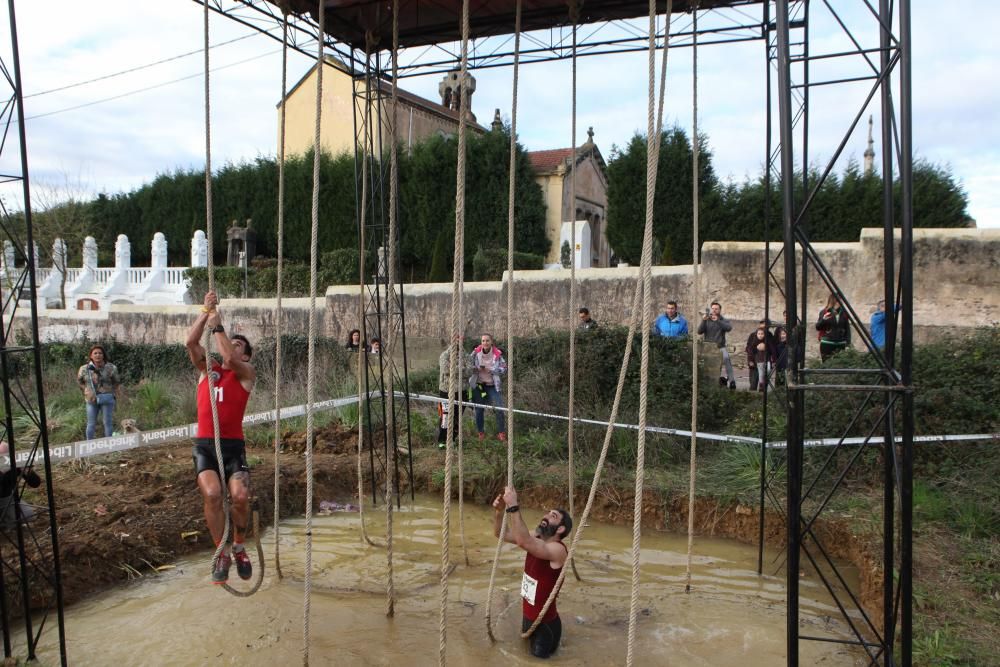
92	287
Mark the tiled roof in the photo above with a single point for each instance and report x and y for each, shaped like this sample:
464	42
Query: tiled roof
546	161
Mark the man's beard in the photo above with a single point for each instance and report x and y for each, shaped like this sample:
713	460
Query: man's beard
545	529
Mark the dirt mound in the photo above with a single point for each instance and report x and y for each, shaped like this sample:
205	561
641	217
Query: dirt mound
123	515
334	438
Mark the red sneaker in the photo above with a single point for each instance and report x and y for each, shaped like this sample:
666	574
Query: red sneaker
220	574
482	436
243	566
501	436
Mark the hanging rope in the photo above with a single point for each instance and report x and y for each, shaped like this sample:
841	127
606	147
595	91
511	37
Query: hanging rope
695	150
652	166
574	15
391	302
227	500
458	263
640	296
512	181
278	313
311	355
211	286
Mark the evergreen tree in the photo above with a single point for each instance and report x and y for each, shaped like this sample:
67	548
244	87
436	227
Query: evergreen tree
672	210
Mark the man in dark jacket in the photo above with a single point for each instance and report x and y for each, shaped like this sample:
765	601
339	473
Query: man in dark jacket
714	327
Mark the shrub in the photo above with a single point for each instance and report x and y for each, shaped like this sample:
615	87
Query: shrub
490	263
340	266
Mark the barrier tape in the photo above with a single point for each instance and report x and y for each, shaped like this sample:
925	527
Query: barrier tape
119	443
718	437
86	448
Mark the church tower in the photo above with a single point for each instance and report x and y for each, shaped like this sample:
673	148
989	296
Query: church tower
870	151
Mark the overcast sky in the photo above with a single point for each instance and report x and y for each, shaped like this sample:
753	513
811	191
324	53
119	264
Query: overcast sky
122	143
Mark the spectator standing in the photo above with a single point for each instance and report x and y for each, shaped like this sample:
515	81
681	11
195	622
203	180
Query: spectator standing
353	341
487	366
444	372
101	386
714	327
671	324
834	328
877	324
761	356
375	346
780	354
586	321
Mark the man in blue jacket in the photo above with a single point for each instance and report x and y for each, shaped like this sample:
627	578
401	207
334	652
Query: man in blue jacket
671	324
877	325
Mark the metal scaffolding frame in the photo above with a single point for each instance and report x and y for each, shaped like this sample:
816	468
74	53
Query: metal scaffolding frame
784	27
885	393
387	410
36	572
30	579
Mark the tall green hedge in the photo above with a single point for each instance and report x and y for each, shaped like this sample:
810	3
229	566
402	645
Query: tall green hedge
490	263
174	204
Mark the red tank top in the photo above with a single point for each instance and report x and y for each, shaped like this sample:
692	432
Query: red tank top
536	586
231	400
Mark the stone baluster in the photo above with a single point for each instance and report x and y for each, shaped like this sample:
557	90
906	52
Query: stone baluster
123	253
159	251
89	254
199	250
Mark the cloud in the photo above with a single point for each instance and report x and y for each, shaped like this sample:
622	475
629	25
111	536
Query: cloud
123	143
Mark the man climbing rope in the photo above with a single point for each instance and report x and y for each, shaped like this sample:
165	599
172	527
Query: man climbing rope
545	558
233	381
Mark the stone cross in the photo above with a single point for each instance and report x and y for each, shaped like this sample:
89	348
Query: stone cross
35	244
59	255
89	254
8	255
159	251
123	253
199	249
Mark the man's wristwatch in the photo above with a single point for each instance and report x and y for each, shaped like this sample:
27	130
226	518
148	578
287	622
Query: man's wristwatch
512	509
219	329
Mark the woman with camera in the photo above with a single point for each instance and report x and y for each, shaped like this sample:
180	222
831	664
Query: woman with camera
101	386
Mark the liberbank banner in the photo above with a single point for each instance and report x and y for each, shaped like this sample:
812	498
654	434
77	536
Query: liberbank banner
119	443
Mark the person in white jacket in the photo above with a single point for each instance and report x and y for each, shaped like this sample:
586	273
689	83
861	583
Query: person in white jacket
486	365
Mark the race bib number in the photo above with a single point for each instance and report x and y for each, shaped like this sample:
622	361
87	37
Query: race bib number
528	587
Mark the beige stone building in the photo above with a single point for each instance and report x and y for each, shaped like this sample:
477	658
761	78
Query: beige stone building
553	172
419	117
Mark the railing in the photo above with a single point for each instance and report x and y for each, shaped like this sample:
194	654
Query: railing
73	275
173	276
138	276
103	276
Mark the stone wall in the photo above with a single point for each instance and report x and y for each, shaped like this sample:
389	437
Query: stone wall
956	275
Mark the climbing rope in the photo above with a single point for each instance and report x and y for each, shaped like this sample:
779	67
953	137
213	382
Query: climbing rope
652	156
278	312
390	479
457	263
227	500
512	181
640	295
574	15
695	150
311	373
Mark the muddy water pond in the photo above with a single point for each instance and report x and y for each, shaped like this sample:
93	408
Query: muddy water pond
731	617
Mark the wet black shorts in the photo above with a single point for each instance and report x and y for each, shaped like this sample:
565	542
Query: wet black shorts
545	639
234	456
